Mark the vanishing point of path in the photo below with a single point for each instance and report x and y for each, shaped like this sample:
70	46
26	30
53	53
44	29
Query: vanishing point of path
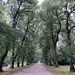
36	69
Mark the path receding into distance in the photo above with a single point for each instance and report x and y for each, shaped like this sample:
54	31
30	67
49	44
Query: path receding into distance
36	69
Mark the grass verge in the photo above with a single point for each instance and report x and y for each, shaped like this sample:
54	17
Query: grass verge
61	70
11	71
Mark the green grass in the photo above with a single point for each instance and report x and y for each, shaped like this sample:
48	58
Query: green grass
11	71
61	70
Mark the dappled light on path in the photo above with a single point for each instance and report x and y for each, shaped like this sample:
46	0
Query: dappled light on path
36	69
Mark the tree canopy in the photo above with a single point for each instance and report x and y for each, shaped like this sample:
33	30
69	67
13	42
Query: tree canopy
30	32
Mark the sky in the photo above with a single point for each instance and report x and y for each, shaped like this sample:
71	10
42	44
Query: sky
40	1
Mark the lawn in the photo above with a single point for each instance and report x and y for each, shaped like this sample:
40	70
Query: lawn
9	71
61	70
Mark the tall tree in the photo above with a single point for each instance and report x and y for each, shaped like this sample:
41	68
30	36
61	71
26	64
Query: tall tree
16	12
69	9
53	21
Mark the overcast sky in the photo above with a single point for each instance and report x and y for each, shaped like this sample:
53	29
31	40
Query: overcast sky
40	1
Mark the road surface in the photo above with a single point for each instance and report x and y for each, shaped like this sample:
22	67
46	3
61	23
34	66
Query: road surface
36	69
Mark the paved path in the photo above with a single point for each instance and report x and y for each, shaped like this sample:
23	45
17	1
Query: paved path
37	69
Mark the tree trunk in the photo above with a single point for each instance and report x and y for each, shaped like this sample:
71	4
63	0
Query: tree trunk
55	57
72	69
22	61
13	59
50	63
18	62
12	65
3	58
1	62
46	61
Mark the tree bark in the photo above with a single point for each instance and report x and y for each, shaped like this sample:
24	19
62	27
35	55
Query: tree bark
18	62
50	63
13	60
72	69
12	66
55	57
22	61
3	58
68	37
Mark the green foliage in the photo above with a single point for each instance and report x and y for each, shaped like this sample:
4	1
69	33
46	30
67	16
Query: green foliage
28	34
19	26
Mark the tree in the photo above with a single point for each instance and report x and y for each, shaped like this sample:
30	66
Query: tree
11	28
53	20
69	26
17	14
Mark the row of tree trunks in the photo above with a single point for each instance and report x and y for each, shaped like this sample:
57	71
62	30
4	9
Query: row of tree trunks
15	18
